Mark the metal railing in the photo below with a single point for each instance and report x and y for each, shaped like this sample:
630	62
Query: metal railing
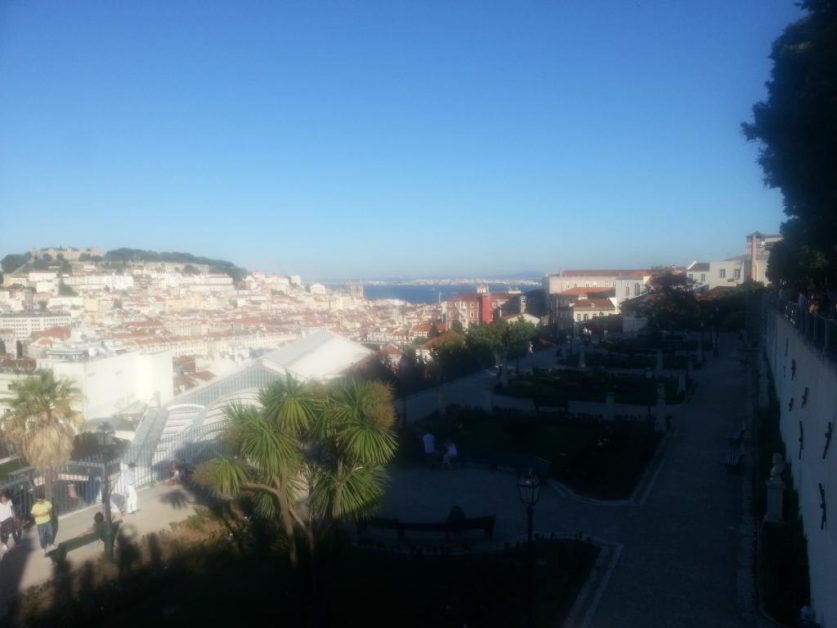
819	331
77	484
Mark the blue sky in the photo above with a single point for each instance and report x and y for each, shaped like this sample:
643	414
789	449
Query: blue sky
366	139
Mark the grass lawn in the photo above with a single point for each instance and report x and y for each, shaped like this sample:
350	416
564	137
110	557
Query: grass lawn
600	459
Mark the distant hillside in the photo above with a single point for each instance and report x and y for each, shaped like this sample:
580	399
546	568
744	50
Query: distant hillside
139	255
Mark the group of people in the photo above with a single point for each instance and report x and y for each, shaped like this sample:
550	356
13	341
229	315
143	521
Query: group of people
449	455
11	524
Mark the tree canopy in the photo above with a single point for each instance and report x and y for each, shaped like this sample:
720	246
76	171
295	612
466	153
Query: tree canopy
797	127
310	454
42	421
216	265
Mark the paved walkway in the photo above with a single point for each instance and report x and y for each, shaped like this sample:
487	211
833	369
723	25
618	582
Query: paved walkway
677	563
25	565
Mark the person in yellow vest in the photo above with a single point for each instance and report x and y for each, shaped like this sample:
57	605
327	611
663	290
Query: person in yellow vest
42	513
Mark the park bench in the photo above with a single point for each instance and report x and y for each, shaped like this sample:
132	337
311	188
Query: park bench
83	540
736	438
503	460
448	528
734	460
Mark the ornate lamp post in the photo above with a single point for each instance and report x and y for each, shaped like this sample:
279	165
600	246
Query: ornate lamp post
106	442
529	486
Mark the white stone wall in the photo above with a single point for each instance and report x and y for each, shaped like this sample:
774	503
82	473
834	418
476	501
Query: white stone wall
784	348
112	383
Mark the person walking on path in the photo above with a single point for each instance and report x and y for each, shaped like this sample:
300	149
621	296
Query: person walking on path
130	479
42	513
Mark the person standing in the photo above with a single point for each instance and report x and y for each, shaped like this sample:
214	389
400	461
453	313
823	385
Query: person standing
7	520
42	513
130	480
429	442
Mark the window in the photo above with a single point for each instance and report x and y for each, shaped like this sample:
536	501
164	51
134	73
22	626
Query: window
627	291
736	274
578	317
636	289
585	317
722	273
703	278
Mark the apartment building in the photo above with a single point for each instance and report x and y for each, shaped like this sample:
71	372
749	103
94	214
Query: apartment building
23	324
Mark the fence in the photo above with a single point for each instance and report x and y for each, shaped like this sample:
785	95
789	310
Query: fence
818	330
77	484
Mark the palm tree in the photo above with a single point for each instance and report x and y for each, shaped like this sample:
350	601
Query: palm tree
42	421
310	454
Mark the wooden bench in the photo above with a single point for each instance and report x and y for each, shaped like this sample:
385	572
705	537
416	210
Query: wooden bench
734	461
65	547
448	528
502	460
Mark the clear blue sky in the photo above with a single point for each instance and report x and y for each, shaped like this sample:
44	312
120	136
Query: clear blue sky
376	138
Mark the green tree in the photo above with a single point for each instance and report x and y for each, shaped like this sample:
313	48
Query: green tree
42	421
671	304
797	127
13	261
66	291
517	339
311	455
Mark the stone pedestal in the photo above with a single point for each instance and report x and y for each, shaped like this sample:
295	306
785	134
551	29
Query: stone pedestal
764	398
610	409
775	498
775	490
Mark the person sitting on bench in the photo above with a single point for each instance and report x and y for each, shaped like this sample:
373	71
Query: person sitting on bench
450	454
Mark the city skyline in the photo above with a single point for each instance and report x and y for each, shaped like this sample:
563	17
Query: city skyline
341	142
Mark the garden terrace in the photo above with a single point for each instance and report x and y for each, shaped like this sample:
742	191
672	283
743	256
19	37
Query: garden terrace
199	576
631	360
597	458
557	387
647	343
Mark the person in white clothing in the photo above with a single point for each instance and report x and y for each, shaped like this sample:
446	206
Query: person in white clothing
7	521
130	480
429	442
450	454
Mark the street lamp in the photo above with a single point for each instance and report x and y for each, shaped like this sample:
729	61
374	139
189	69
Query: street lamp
106	443
529	487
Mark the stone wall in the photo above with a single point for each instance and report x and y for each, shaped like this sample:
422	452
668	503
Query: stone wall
806	386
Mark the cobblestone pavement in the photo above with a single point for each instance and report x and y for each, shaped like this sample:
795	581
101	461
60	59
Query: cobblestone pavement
679	547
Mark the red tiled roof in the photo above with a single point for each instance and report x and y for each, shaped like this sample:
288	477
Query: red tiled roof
619	274
573	292
594	304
